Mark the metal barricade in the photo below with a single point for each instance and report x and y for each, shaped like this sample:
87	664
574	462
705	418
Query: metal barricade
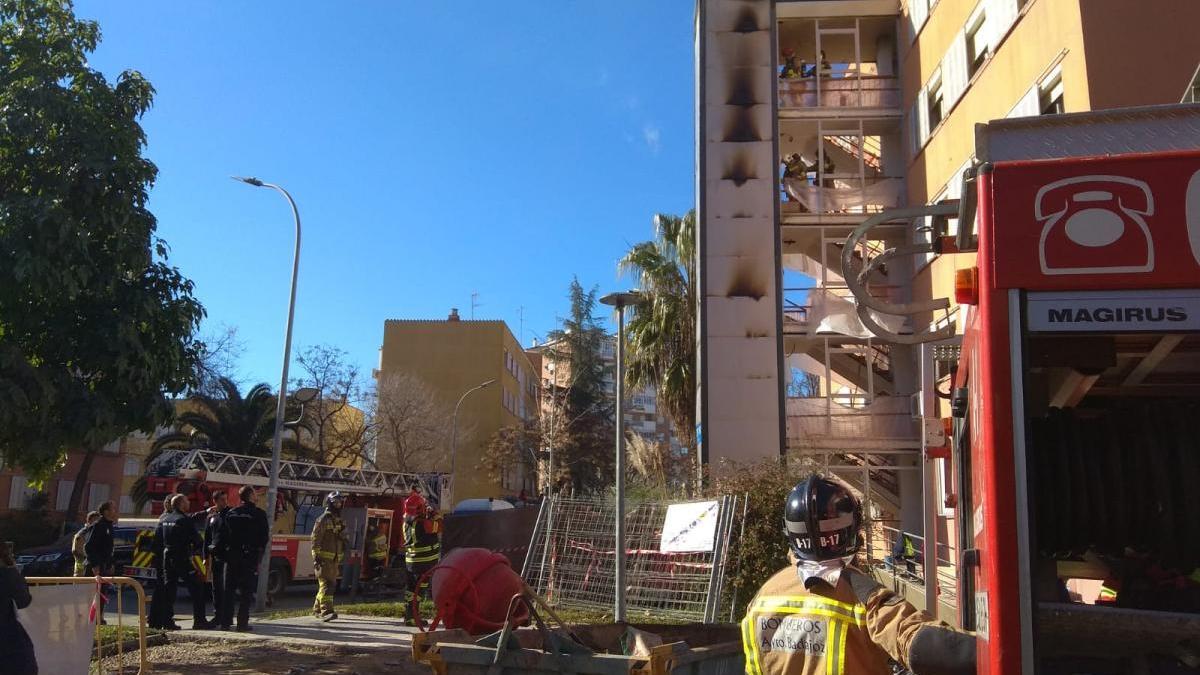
120	583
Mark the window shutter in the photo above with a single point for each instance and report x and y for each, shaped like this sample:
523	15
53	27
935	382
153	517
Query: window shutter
97	495
918	11
954	72
1000	17
922	118
63	499
910	126
1028	105
17	492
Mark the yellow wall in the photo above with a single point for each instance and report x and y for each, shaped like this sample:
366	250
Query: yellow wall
452	357
1045	29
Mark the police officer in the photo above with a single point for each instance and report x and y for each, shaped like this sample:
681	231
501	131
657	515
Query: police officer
239	541
158	602
328	547
422	548
821	615
180	550
212	524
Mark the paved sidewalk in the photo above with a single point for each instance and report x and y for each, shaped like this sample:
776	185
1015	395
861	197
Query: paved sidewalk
365	632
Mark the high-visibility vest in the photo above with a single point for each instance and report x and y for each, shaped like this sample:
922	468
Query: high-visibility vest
198	565
379	547
143	549
420	546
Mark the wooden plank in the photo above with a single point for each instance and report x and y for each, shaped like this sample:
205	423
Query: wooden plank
1152	360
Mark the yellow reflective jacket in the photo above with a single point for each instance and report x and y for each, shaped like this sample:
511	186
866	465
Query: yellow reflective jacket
850	629
328	539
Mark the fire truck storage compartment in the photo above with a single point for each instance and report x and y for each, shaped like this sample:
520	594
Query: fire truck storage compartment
1114	482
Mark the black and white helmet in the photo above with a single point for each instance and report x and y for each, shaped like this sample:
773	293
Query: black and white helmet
822	519
334	501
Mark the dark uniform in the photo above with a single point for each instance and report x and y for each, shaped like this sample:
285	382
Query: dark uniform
239	544
211	527
98	548
179	549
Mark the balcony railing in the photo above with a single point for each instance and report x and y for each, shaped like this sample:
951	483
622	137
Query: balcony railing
824	422
847	91
886	555
830	310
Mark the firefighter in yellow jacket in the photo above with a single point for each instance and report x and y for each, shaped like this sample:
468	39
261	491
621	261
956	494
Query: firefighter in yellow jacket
328	549
821	615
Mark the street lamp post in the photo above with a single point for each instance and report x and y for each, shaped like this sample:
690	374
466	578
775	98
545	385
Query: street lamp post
264	568
454	432
620	301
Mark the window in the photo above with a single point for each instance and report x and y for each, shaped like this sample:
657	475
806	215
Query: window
63	499
1050	95
977	46
935	99
126	505
132	466
97	495
20	492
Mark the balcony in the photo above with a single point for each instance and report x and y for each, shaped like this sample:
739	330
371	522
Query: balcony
839	170
834	67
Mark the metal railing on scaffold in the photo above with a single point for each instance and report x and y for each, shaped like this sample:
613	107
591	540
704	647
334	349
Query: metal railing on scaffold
99	646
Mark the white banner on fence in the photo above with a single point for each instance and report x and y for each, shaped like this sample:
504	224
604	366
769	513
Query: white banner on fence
57	623
689	527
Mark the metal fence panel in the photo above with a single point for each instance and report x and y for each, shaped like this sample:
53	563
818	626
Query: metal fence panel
572	559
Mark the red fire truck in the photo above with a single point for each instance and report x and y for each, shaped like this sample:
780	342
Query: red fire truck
1078	439
373	498
1076	394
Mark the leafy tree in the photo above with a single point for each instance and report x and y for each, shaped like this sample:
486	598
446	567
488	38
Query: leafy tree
585	457
341	431
95	326
230	422
661	329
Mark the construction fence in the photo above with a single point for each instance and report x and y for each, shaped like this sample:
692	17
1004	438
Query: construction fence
676	555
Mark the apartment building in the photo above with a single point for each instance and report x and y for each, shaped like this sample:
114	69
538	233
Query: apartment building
111	469
452	356
814	115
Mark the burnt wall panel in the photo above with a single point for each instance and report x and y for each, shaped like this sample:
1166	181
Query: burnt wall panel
741	394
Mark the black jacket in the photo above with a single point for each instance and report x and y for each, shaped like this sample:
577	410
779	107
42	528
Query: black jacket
98	548
213	525
16	649
176	540
244	533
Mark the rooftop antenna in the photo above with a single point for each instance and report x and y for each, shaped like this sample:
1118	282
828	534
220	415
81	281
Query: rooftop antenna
521	317
474	303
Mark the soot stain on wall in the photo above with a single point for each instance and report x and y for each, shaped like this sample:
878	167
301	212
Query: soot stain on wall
747	283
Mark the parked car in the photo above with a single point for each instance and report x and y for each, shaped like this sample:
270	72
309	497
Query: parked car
55	560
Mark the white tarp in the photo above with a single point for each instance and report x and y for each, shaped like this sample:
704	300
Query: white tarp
834	315
57	623
885	193
689	527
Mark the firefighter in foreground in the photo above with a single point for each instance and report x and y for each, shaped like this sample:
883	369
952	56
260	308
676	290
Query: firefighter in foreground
821	615
422	549
328	547
241	538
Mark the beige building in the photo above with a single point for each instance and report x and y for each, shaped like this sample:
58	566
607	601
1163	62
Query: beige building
453	356
814	115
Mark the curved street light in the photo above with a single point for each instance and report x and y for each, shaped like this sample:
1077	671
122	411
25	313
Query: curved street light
264	567
454	433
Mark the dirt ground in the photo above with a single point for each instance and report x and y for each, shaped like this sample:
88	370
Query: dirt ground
181	657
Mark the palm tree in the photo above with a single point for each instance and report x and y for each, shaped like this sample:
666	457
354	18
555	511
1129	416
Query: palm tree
229	422
661	332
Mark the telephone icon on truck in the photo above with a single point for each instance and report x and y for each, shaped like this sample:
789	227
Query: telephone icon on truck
1096	225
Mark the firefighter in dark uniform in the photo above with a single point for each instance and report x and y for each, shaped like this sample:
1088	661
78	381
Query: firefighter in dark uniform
180	551
821	615
422	549
240	541
377	549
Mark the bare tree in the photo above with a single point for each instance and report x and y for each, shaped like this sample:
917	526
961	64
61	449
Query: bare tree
218	359
342	431
413	426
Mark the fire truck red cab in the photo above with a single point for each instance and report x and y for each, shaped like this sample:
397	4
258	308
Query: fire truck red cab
1077	404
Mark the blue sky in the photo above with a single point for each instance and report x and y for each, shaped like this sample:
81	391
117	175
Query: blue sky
435	150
